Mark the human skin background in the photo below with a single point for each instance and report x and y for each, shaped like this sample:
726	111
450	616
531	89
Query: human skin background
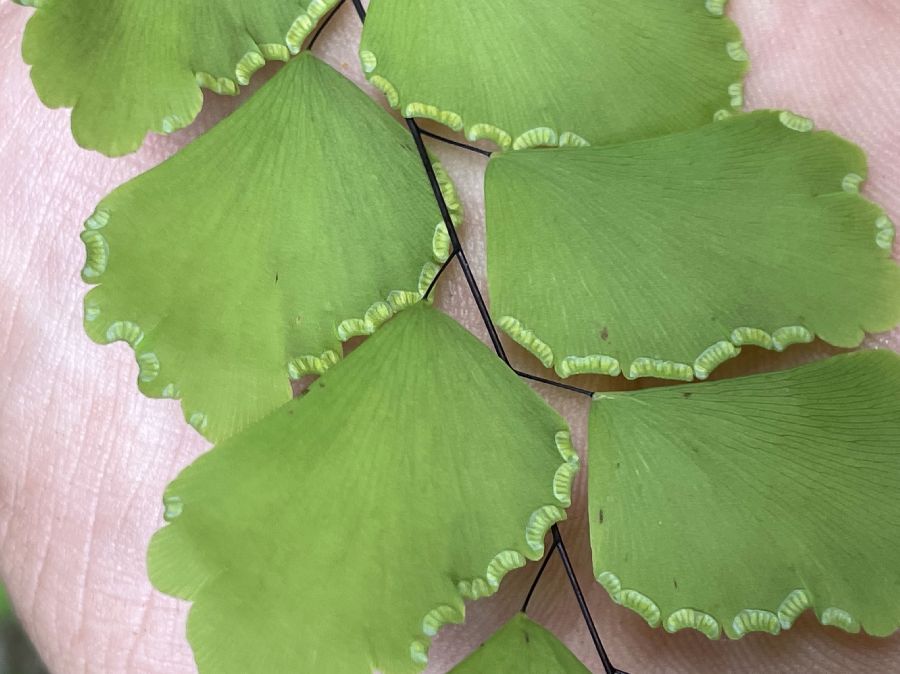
84	458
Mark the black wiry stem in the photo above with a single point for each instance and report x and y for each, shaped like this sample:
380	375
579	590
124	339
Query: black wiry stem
456	143
559	546
440	271
454	240
557	384
537	577
457	249
582	603
460	254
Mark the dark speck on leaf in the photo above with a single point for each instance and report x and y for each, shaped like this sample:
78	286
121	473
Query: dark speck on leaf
675	583
686	394
600	516
604	334
276	277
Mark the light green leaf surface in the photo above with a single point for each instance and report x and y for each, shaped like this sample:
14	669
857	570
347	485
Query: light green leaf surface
300	221
663	257
127	68
5	605
413	475
521	647
736	505
525	72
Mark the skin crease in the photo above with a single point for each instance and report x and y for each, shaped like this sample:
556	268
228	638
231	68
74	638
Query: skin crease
84	458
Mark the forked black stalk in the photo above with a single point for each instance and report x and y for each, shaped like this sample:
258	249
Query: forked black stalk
439	273
557	384
459	253
454	239
582	604
537	577
558	543
455	143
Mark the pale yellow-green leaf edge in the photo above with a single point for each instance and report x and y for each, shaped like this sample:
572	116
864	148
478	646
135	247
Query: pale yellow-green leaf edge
744	622
249	63
715	354
540	136
97	254
539	523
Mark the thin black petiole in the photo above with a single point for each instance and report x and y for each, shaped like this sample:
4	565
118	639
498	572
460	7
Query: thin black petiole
456	143
323	25
558	545
582	603
557	384
537	579
457	248
454	239
467	272
360	10
440	271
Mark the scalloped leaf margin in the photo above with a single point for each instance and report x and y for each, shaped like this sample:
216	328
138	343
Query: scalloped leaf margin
735	506
546	134
116	120
452	547
517	227
136	232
